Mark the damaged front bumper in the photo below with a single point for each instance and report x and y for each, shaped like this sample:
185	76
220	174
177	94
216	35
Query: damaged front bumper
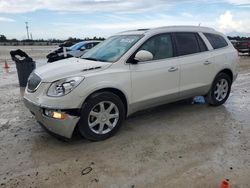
62	127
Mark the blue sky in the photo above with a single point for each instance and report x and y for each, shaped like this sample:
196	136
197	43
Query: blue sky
88	18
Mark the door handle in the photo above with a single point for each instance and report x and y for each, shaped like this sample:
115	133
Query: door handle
173	69
207	62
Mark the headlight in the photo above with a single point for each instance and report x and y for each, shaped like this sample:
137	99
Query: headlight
64	86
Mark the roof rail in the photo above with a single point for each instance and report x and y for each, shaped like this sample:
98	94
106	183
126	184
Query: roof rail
134	30
189	27
184	26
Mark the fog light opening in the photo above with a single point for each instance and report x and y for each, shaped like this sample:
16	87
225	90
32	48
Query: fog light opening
55	114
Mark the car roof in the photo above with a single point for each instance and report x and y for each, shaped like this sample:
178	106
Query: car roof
169	29
89	41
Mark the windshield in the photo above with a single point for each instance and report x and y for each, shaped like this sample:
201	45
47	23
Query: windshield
112	49
76	46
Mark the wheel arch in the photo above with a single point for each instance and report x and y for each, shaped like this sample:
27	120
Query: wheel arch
115	91
209	96
227	71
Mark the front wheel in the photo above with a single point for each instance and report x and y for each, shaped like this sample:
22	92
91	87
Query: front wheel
102	116
220	90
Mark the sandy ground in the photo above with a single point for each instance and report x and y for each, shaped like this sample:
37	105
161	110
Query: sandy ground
36	52
175	145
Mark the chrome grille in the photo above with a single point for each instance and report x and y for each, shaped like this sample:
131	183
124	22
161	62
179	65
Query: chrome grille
33	82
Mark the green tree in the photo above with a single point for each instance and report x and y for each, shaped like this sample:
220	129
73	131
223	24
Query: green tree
3	38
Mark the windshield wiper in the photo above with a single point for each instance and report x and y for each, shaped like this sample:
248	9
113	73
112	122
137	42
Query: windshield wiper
92	59
102	60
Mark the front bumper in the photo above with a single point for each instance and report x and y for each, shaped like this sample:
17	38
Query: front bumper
64	128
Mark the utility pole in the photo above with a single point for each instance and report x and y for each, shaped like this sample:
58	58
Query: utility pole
27	29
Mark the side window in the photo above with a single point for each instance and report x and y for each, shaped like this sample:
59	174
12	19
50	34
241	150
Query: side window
216	41
95	43
160	46
89	46
186	43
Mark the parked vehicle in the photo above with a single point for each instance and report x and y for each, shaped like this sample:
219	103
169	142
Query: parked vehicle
66	44
128	72
243	47
234	42
76	50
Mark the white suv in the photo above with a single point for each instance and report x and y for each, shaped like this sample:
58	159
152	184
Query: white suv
128	72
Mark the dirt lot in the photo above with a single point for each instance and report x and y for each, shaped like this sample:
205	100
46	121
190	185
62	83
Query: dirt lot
175	145
37	52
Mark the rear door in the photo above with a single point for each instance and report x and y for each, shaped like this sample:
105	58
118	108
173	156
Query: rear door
196	64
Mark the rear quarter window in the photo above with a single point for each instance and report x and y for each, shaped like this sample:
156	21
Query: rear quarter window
216	41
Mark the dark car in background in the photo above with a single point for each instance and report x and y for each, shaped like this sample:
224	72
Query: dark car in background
243	46
76	50
234	42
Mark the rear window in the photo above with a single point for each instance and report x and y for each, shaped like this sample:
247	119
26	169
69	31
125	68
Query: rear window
216	41
187	43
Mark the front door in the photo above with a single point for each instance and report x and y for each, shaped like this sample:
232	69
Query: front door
157	81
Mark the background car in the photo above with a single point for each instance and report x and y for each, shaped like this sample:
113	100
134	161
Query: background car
243	46
234	42
76	50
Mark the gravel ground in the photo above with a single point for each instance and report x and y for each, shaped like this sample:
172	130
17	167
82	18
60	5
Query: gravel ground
36	52
174	145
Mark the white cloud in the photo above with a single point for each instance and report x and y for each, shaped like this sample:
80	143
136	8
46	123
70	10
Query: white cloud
113	21
108	28
239	2
186	14
124	6
4	19
228	24
11	6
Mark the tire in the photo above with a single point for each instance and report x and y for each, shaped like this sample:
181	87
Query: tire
216	96
96	122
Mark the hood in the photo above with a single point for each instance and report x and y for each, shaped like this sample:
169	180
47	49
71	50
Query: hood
69	67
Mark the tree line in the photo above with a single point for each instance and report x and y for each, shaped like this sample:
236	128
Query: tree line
75	40
3	38
238	38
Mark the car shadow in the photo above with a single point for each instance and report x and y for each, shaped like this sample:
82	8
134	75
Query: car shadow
160	112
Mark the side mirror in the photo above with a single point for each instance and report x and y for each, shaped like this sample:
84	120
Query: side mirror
143	55
82	48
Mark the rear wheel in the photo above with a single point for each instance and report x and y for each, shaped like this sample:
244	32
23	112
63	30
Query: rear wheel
102	116
220	90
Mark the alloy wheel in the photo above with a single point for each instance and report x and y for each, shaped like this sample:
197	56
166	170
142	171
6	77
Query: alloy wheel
221	90
103	117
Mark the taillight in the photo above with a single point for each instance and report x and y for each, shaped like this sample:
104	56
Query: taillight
248	45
